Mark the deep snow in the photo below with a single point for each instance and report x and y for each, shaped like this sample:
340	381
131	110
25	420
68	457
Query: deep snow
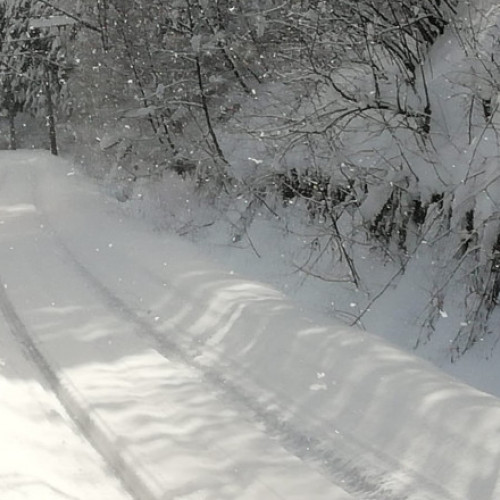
43	455
165	427
194	382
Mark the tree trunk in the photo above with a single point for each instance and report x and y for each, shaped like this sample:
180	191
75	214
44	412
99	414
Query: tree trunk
10	106
12	129
51	121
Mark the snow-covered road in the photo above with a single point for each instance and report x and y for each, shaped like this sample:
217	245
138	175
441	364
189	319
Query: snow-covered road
141	357
42	454
166	429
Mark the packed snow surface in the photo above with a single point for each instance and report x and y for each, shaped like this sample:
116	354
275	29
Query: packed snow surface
174	378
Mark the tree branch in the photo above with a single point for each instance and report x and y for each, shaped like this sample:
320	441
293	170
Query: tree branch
86	24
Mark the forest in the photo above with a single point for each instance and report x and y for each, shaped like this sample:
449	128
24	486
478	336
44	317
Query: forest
366	131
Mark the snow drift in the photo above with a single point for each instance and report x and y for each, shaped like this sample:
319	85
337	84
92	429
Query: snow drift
380	420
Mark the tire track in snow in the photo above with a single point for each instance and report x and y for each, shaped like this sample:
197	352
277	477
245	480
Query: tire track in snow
71	401
142	329
337	465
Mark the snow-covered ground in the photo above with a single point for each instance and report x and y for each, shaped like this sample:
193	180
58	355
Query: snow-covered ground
43	454
195	383
168	429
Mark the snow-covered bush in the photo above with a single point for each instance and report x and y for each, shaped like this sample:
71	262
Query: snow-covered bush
396	106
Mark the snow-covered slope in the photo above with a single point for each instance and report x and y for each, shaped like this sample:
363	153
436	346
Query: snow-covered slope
201	384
